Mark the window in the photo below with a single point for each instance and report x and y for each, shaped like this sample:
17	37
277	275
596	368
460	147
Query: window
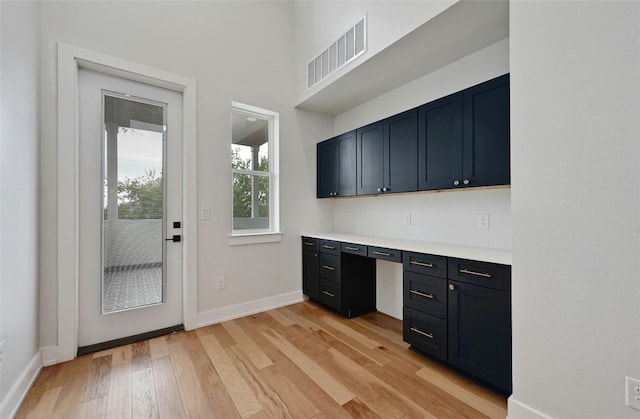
254	167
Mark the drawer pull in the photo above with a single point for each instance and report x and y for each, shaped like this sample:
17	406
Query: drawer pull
466	271
331	268
426	265
421	294
429	335
375	252
324	246
329	294
308	244
355	249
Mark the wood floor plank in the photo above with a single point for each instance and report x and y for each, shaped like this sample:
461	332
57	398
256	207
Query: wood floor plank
98	379
41	406
384	399
169	400
144	400
247	345
273	405
119	398
300	361
281	317
483	400
356	340
70	396
94	408
240	393
358	409
326	381
140	356
158	347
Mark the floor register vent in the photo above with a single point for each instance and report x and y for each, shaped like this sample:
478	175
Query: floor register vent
345	49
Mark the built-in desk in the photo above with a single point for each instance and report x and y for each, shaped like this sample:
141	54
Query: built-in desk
457	299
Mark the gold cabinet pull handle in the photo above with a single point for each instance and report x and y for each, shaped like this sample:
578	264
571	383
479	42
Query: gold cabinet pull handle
324	246
328	293
466	271
355	249
429	335
422	294
375	252
426	265
331	268
452	287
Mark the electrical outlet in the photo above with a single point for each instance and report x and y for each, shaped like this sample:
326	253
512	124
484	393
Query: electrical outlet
483	221
632	392
2	351
205	213
347	218
407	218
220	282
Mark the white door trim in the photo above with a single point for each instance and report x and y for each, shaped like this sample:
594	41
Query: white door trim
70	59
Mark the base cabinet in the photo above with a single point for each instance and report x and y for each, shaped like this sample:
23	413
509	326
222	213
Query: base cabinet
479	324
338	276
456	311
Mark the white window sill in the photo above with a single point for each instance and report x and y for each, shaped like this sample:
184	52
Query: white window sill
254	238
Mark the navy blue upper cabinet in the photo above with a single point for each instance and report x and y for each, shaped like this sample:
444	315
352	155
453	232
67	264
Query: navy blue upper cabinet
486	150
336	166
464	138
387	160
440	142
370	156
460	140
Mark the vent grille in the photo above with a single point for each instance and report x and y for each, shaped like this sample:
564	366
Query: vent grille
345	49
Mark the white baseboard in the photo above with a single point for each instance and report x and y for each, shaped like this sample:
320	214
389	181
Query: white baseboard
49	355
240	310
18	392
519	410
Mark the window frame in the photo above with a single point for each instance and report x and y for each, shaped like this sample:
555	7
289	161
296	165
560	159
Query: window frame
272	233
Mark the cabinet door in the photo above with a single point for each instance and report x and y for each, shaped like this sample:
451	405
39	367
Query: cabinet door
486	147
479	323
311	274
400	147
370	150
346	165
336	166
440	143
327	168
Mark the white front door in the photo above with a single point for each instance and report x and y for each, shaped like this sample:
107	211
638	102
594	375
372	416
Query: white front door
130	195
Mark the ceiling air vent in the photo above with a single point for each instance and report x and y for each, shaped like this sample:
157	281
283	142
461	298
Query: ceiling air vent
347	48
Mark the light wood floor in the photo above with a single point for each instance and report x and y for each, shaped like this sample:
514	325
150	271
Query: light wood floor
300	361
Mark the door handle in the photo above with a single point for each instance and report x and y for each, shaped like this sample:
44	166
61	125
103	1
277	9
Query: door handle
175	238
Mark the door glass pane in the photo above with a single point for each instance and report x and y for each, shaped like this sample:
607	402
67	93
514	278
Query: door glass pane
133	226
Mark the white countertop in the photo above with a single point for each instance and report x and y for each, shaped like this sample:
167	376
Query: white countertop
484	254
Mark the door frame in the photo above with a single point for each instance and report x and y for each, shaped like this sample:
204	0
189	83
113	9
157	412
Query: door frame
70	60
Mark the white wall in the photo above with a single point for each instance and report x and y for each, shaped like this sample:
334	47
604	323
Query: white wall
19	183
575	129
236	51
448	216
318	24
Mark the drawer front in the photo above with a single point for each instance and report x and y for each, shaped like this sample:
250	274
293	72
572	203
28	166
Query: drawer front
385	253
330	267
330	294
425	264
425	333
425	293
310	243
484	274
330	246
356	249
